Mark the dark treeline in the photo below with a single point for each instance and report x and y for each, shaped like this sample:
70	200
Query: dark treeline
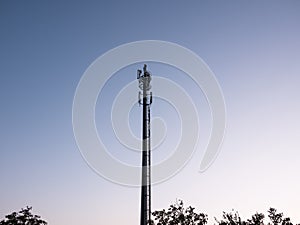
177	214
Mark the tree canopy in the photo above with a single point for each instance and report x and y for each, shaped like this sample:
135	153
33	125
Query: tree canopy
23	217
176	214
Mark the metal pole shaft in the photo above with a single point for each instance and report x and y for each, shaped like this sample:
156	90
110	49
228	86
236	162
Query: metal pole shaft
146	163
145	100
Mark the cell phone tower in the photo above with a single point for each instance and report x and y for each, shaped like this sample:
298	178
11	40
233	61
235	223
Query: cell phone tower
145	99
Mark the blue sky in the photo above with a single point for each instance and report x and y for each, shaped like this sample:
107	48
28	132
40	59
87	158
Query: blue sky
252	47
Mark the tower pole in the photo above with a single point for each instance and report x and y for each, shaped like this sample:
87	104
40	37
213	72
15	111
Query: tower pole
145	99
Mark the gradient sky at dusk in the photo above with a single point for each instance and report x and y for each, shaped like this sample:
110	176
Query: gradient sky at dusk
253	47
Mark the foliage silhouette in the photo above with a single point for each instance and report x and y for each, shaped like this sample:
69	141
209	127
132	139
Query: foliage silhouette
178	215
233	218
23	217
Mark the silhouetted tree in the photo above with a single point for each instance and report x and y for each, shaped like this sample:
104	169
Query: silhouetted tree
23	217
233	218
277	218
178	215
257	219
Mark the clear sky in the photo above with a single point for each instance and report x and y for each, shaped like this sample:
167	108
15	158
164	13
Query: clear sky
253	47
